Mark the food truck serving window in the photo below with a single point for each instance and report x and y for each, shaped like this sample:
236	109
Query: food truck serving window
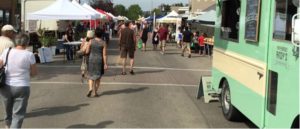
230	19
284	11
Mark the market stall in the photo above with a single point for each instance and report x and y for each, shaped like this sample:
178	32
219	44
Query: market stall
59	10
173	18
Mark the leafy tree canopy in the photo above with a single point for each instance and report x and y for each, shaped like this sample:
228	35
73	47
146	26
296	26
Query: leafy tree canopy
134	11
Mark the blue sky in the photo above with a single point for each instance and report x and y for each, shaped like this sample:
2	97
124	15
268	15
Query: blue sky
146	5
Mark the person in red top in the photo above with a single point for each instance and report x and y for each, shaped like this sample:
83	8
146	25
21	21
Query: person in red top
201	41
163	35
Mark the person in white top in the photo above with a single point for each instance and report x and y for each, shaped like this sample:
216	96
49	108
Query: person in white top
6	39
20	67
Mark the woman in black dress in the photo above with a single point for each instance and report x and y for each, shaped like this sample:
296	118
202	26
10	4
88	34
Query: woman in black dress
155	39
97	62
145	36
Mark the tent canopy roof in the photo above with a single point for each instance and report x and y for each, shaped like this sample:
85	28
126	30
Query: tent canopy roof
88	7
208	17
150	18
93	14
172	14
172	17
60	10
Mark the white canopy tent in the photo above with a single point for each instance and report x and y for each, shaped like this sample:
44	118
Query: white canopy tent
172	17
93	14
102	16
61	10
112	16
122	18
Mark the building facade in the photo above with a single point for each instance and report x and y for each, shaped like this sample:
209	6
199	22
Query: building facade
199	6
9	12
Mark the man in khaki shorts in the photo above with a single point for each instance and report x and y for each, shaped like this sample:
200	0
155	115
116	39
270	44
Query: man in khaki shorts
127	46
163	35
187	39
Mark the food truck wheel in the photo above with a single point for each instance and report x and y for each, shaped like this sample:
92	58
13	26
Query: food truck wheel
229	111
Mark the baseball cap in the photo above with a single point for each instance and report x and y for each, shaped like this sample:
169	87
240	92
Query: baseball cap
8	28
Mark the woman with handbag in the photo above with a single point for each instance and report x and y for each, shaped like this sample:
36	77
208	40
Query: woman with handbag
19	65
97	62
89	36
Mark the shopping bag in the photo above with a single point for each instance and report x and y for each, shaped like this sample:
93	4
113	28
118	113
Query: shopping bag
140	44
192	45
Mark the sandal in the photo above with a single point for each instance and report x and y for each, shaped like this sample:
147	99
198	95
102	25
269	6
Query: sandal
131	72
89	93
96	95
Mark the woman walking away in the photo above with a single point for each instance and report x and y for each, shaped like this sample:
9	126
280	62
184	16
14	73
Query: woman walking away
155	39
20	65
144	37
97	62
85	57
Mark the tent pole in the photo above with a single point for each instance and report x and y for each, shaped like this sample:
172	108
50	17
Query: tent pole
154	21
90	24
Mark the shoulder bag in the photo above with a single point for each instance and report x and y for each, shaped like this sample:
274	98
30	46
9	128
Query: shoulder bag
82	50
2	70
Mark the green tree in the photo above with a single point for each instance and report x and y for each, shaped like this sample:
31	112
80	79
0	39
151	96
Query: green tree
105	5
178	4
157	11
167	8
120	10
134	11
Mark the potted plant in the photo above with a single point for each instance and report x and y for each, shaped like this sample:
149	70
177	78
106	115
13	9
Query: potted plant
46	52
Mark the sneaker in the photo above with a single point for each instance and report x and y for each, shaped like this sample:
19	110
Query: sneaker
162	53
190	56
182	55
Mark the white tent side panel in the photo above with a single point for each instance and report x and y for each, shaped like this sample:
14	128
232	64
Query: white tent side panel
35	5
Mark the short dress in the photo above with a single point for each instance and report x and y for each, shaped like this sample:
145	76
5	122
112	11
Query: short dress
96	63
155	38
145	35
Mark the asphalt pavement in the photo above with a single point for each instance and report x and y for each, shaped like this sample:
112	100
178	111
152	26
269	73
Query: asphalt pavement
162	94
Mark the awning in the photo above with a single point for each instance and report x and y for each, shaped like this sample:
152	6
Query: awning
206	18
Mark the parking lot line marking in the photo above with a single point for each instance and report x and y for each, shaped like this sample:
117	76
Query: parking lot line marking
114	67
117	83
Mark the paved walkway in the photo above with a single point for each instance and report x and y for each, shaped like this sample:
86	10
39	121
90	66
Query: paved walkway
160	95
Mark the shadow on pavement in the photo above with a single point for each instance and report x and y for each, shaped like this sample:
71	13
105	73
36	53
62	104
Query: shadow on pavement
117	72
147	72
173	53
123	91
51	111
99	125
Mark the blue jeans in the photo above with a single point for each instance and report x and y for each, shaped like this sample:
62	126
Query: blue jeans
15	101
69	52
